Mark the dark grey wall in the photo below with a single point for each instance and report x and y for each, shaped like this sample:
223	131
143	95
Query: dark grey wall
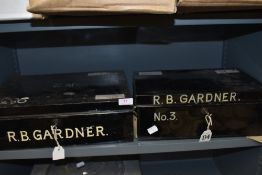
128	57
8	62
242	162
245	52
15	169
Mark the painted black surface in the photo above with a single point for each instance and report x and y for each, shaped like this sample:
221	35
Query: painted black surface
177	83
36	132
60	93
31	105
228	121
187	120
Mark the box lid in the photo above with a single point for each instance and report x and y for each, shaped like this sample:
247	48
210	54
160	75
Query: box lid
59	93
187	87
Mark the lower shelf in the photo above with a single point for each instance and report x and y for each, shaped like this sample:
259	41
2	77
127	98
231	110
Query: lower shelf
237	161
205	166
131	148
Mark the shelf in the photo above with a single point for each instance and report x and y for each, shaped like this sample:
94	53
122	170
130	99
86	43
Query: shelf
131	148
27	27
180	22
204	166
114	22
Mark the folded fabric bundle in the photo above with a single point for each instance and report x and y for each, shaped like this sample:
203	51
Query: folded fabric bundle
83	7
220	3
217	5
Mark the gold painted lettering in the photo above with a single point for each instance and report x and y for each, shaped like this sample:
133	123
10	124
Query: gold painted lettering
200	98
183	98
37	135
156	99
169	99
173	116
11	136
217	97
69	133
59	133
78	132
47	134
192	99
100	131
89	132
225	97
24	136
209	97
233	96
